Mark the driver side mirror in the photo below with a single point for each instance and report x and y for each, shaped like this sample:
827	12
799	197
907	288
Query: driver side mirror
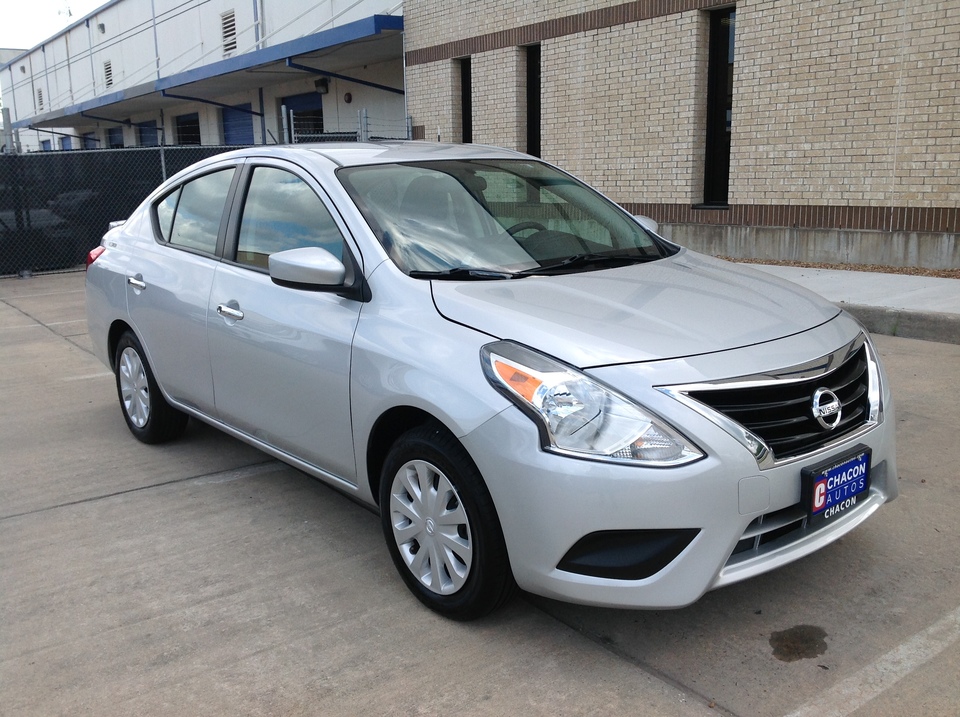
647	223
316	269
309	266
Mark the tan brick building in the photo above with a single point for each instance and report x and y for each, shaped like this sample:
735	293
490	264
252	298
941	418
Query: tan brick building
821	130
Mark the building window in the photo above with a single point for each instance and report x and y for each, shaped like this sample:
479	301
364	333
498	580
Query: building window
90	140
115	137
237	124
716	181
147	134
305	116
466	101
533	99
188	129
108	73
45	145
65	143
228	30
39	99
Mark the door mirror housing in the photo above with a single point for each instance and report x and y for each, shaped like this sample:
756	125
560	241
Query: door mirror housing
308	267
648	223
313	268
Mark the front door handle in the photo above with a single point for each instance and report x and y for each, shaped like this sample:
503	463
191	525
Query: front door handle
229	312
136	282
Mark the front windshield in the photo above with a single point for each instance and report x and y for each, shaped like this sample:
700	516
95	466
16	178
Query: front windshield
499	216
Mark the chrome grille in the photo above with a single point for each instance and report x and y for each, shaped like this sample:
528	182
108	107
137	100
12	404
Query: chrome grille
781	413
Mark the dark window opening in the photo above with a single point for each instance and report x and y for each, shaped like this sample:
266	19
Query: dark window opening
307	125
115	137
466	101
533	100
90	140
147	134
305	114
237	125
188	129
716	183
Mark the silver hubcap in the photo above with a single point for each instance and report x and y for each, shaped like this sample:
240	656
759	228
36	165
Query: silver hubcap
134	391
431	527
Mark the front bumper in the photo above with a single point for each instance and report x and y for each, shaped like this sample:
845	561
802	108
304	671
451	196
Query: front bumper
547	503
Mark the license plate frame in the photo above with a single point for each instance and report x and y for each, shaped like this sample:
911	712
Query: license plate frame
831	489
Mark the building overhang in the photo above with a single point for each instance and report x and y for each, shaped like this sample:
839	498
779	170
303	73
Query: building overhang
368	41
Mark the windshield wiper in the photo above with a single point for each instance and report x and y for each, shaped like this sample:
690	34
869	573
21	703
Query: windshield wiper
579	261
463	273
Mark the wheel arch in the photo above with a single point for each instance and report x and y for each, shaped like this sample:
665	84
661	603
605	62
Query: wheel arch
117	329
387	429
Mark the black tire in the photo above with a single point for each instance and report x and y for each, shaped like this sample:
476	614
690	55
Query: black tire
472	578
148	415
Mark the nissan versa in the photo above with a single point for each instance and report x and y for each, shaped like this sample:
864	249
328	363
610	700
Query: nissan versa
531	386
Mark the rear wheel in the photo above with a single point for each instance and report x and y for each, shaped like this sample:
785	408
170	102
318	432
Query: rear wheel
441	526
148	415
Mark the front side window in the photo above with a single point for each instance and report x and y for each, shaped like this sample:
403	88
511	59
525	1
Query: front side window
512	217
282	212
190	215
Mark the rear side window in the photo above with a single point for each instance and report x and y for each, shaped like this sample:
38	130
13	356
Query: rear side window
190	215
281	212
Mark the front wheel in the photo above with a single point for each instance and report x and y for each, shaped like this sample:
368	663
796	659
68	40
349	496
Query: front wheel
148	415
441	526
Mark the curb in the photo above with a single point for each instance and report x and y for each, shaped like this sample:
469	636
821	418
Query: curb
923	325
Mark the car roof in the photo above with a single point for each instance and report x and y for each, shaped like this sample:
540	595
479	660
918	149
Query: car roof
350	154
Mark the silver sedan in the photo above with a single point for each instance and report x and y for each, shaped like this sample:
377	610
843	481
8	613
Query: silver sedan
531	387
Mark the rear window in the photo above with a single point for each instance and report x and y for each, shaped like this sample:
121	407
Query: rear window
190	215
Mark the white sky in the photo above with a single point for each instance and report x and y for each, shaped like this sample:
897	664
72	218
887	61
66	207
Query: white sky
27	23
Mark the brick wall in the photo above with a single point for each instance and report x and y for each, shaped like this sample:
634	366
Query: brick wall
428	22
433	99
841	102
499	88
622	108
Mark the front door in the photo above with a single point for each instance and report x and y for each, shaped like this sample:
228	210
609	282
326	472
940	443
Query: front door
281	356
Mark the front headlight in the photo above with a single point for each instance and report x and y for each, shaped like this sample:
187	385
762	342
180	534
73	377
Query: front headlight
580	416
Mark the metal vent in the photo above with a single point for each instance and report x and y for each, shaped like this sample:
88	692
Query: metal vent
39	99
228	30
108	73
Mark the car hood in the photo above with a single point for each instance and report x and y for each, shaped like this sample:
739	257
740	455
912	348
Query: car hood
684	305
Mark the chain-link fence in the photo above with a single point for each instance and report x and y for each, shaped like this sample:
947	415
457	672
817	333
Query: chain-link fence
55	206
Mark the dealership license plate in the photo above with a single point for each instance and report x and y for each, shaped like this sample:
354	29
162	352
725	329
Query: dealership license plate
833	489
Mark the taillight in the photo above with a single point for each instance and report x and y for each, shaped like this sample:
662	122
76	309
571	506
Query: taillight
94	254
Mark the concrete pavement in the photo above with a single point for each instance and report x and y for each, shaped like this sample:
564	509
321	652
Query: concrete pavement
914	307
202	577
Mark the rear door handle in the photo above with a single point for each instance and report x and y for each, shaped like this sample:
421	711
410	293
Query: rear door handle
229	312
136	282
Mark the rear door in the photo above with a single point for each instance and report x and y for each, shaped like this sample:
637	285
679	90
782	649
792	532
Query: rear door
281	356
169	280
